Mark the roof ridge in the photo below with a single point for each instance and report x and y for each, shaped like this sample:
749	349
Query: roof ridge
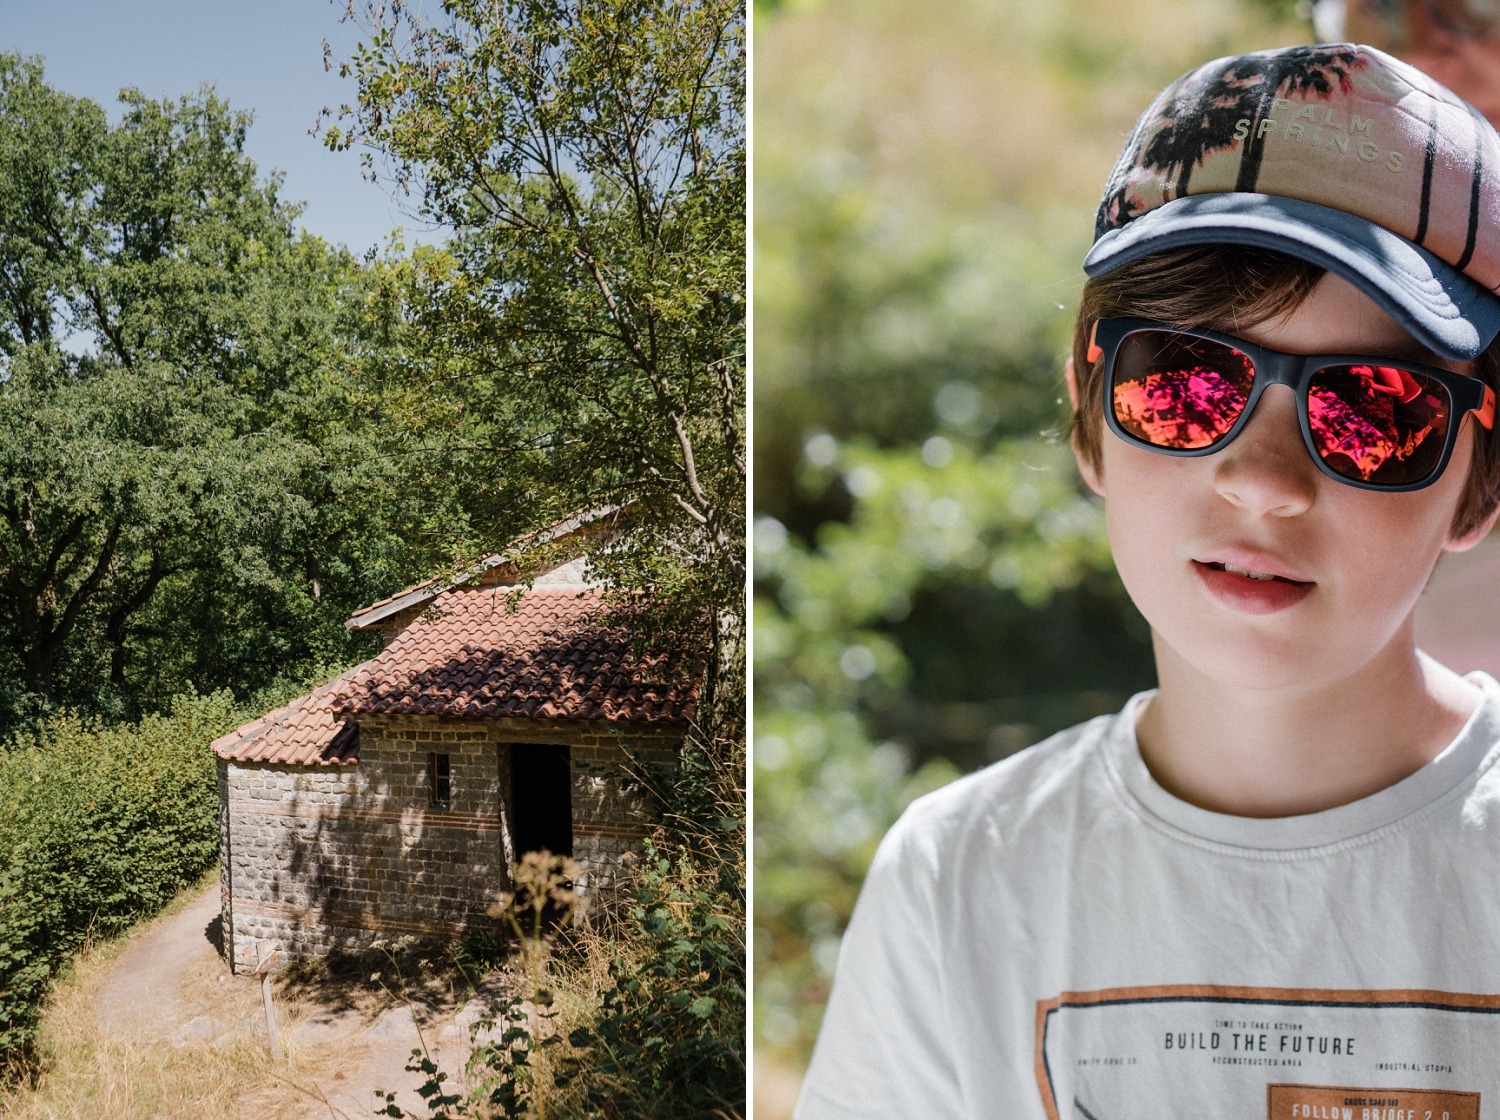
439	584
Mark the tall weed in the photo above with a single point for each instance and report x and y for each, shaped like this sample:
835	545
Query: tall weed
641	1015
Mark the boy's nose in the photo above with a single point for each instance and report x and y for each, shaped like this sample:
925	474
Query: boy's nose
1266	469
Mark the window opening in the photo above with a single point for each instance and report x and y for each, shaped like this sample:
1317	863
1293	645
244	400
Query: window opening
439	785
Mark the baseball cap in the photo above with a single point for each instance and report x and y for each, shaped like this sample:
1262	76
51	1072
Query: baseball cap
1336	153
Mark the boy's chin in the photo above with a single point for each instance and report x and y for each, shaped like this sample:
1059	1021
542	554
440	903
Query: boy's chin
1258	663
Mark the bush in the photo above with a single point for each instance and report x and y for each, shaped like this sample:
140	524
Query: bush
98	827
653	1026
668	1040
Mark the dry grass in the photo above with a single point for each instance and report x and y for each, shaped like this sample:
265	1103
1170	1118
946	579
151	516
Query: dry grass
88	1071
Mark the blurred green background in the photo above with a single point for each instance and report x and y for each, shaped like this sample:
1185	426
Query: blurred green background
933	589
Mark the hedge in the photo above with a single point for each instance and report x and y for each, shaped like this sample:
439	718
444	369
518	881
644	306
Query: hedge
98	827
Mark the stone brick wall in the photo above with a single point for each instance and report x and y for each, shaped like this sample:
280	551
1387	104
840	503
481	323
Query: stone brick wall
316	859
612	804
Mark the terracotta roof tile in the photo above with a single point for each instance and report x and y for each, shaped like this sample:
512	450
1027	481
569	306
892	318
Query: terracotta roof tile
307	731
469	656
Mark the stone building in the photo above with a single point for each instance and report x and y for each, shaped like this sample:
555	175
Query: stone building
394	799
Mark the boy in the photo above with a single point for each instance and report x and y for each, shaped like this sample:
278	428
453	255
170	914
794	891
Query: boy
1270	888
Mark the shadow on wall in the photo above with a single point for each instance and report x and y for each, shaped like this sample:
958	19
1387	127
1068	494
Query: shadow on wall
333	858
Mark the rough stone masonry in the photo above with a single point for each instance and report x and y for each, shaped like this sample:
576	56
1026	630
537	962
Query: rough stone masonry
323	859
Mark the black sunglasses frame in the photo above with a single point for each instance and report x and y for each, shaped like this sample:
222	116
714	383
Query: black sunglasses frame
1466	394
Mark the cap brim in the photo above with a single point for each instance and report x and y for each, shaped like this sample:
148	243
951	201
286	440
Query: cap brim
1441	307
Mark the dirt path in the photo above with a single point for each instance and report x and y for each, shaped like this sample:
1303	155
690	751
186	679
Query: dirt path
139	997
346	1041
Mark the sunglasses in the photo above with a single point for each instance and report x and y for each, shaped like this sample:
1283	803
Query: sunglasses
1371	422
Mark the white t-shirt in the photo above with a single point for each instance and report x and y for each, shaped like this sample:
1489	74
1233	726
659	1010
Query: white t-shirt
1057	936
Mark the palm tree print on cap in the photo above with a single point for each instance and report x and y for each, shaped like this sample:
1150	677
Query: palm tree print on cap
1201	114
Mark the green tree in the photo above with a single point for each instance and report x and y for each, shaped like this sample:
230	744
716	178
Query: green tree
580	343
584	335
164	513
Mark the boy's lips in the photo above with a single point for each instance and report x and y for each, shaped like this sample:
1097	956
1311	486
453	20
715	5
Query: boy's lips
1252	561
1252	583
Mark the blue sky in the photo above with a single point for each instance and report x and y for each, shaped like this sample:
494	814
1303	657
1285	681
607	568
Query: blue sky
261	55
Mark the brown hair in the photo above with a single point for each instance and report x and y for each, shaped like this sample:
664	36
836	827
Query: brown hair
1229	287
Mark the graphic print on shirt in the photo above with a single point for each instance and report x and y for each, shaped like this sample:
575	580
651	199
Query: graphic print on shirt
1277	1053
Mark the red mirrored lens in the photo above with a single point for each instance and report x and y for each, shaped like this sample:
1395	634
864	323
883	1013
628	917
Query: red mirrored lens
1378	424
1178	392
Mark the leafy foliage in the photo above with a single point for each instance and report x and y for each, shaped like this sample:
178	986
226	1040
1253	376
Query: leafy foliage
665	1041
192	486
829	782
582	340
98	827
431	1090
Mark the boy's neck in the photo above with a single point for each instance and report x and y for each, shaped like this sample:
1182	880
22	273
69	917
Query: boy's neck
1299	750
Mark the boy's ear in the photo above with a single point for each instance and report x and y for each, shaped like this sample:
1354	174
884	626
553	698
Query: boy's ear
1088	470
1474	535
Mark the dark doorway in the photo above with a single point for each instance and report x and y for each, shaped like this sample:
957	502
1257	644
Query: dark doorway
542	791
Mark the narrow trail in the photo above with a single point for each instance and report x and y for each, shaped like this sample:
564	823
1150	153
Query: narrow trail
140	995
346	1042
